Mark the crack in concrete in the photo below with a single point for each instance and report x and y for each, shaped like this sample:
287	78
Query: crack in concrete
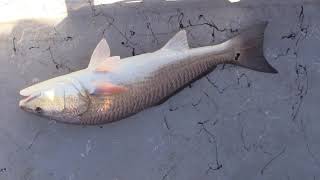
2	170
211	168
166	122
33	140
218	165
34	47
244	75
155	39
299	35
127	43
197	103
202	21
303	30
308	147
220	91
165	176
208	23
258	145
291	36
283	54
58	65
211	140
302	82
173	109
301	71
208	121
132	33
92	7
179	15
149	26
302	79
14	45
271	160
244	145
68	38
211	99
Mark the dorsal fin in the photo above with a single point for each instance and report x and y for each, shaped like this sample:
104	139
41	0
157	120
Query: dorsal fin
178	41
107	65
100	53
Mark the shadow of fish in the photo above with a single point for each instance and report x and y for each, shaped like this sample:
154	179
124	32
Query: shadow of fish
111	89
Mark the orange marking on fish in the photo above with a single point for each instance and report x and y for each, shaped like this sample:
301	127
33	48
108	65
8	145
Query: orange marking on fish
108	88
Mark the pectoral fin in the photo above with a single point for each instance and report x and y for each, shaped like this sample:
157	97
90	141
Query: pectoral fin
105	88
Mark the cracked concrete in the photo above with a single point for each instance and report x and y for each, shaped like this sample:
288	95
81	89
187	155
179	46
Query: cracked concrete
231	124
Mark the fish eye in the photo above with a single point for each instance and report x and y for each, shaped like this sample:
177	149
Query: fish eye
38	110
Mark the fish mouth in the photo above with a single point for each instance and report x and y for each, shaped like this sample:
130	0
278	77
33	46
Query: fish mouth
26	92
22	103
29	93
25	99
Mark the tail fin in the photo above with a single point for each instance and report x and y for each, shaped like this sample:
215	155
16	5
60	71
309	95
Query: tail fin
248	47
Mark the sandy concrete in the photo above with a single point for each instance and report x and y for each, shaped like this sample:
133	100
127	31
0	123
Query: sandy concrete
232	124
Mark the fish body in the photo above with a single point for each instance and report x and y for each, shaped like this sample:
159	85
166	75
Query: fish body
111	89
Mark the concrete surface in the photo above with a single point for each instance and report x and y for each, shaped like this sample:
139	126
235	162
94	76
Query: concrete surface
232	124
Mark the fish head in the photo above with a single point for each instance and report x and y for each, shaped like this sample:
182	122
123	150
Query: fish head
59	99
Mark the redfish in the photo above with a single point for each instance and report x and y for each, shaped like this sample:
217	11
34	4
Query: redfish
112	88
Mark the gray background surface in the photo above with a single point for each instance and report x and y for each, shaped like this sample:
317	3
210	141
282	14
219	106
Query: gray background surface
232	124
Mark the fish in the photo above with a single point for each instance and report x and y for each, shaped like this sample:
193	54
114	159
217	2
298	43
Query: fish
111	88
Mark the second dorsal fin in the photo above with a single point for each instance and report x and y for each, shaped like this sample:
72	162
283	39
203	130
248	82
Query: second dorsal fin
178	41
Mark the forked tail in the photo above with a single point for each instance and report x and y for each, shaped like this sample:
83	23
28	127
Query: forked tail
248	48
